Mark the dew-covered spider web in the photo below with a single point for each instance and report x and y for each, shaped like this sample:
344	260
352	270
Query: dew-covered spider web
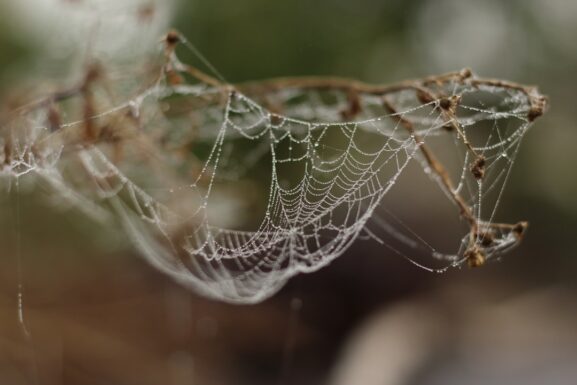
234	189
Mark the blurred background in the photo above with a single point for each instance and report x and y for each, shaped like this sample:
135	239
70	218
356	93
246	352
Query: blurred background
95	313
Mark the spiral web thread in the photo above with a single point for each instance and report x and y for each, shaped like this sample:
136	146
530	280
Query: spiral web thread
327	150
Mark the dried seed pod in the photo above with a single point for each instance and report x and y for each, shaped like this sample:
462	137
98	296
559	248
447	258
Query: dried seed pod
478	167
445	103
449	103
475	257
275	119
172	38
538	106
465	73
519	229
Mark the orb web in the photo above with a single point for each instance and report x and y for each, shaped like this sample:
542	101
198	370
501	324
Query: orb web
234	189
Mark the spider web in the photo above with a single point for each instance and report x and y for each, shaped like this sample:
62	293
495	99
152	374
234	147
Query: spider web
181	158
